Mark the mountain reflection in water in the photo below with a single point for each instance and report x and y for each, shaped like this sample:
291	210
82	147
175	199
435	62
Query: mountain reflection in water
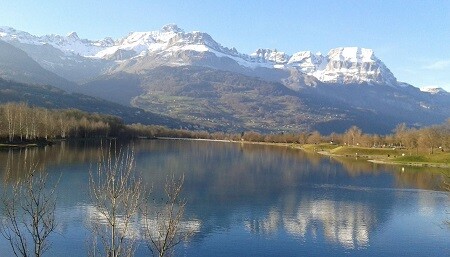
344	223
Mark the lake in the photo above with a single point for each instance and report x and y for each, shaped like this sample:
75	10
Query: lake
257	200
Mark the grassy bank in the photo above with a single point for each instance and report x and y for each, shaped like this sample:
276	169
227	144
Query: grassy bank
367	152
396	156
439	159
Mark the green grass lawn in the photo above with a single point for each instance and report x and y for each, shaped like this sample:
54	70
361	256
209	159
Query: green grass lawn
439	157
353	150
319	147
392	154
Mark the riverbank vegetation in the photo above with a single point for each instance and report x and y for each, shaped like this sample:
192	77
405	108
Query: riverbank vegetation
21	124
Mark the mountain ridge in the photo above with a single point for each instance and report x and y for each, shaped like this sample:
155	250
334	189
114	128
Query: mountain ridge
169	44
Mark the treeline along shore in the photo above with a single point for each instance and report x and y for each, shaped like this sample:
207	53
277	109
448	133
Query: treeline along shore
21	124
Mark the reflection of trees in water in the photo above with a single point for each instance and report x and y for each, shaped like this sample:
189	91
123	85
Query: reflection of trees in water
225	166
357	167
405	177
14	164
422	178
227	170
242	174
63	153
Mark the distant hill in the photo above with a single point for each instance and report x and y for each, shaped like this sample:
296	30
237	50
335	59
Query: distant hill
55	98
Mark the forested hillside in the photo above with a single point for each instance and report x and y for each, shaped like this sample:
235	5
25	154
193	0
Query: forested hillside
53	98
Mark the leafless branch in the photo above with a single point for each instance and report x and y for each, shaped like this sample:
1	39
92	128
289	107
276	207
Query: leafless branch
29	207
116	194
163	229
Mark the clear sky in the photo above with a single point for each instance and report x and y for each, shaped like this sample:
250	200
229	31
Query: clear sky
411	37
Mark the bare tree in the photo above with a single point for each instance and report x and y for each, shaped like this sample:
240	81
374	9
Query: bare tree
400	133
314	138
29	209
10	119
429	138
353	134
117	196
163	228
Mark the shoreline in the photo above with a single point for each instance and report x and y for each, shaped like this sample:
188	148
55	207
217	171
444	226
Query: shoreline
226	141
377	159
415	164
370	158
382	160
9	146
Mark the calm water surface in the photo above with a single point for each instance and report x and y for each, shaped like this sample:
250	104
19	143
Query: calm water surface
253	200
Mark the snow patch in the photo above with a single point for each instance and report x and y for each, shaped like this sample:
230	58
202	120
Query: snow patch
433	90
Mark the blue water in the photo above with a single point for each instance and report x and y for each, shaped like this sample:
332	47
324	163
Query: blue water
253	200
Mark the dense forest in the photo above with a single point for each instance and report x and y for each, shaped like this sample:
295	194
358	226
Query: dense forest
20	123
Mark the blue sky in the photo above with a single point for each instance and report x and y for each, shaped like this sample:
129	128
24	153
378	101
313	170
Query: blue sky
411	37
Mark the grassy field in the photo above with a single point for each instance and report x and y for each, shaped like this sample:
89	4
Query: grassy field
317	147
369	152
439	157
382	155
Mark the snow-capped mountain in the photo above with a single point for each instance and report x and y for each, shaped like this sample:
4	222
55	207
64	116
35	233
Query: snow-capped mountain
70	44
267	55
172	46
192	77
354	65
434	90
169	39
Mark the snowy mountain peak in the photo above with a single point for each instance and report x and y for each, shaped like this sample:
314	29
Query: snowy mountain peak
194	38
269	55
307	62
6	29
169	39
70	44
11	34
433	90
106	42
351	65
352	54
171	28
73	35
